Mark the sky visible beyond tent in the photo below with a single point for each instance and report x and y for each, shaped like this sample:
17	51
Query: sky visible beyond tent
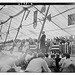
58	26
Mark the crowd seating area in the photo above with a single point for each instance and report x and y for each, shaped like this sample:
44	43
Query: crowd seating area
20	55
51	63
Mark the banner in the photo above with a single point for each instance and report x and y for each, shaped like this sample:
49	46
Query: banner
71	19
35	19
43	9
49	17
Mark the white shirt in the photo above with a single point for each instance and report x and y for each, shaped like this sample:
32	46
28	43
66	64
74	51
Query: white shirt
36	64
61	61
66	63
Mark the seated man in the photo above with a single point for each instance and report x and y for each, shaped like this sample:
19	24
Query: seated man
50	61
62	59
70	68
38	65
66	62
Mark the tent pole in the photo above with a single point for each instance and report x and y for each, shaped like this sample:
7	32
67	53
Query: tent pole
43	26
1	30
1	27
7	31
18	31
43	23
20	25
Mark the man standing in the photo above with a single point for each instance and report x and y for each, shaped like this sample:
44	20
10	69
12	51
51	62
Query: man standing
66	63
42	42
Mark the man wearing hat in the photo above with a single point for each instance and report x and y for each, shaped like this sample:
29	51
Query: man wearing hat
42	42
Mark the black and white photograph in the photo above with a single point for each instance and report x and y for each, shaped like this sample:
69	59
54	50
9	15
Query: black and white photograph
37	37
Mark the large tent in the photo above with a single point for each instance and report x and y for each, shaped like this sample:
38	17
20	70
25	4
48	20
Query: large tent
58	26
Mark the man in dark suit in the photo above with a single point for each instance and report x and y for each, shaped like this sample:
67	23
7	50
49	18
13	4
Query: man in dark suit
57	60
42	42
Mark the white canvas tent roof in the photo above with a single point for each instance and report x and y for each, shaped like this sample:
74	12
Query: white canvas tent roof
27	29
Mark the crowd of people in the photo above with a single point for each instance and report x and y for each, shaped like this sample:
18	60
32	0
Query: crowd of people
45	44
40	63
43	61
